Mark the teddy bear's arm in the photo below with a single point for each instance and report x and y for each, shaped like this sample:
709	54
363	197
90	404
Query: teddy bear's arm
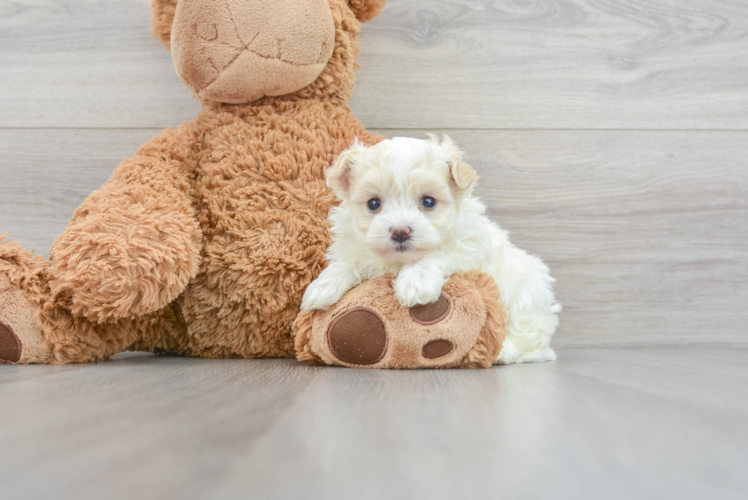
134	244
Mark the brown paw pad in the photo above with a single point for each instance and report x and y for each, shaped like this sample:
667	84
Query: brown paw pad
437	349
429	314
358	337
10	346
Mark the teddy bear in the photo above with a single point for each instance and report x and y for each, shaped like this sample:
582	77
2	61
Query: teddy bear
202	243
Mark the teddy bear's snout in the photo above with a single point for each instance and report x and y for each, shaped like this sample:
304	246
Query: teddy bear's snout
299	33
237	51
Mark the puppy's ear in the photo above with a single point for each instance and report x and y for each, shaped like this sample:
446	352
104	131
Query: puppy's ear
338	174
463	175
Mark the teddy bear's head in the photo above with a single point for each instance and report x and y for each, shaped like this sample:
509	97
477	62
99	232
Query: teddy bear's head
239	51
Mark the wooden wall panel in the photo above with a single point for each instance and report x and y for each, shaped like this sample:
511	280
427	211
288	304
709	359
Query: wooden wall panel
645	231
425	64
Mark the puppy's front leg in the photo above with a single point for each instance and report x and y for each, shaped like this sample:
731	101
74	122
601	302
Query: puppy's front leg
330	286
422	282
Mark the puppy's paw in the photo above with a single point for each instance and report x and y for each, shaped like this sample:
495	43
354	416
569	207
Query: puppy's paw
416	286
322	293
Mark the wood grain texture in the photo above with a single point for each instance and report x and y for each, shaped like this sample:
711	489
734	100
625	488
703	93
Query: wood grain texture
425	64
46	173
643	64
645	231
599	423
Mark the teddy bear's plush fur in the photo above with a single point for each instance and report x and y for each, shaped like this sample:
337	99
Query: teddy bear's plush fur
203	242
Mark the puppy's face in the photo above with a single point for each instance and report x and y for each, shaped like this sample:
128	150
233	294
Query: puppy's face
403	194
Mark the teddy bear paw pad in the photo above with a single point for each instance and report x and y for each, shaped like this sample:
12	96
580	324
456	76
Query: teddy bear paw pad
437	349
358	337
429	314
10	346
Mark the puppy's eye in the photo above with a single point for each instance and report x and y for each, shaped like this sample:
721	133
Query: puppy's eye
428	202
374	204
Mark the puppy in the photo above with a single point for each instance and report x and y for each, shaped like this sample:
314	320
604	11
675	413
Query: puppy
407	209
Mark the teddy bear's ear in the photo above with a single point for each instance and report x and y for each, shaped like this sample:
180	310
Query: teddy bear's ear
366	10
162	17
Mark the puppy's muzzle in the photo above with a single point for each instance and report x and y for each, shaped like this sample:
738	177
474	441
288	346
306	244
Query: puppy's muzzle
400	234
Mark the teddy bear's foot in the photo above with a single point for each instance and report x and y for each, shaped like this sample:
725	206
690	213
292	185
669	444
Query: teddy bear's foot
359	337
21	338
369	328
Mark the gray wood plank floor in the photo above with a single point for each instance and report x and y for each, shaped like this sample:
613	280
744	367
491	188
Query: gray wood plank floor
664	422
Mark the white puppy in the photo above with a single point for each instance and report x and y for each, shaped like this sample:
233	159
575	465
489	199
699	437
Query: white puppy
407	209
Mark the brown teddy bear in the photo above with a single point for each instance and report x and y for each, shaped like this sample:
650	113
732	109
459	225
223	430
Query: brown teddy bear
203	242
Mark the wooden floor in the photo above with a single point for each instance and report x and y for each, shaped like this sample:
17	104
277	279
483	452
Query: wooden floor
611	137
612	423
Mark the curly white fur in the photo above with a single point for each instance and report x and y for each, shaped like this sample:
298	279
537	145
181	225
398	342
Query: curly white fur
453	236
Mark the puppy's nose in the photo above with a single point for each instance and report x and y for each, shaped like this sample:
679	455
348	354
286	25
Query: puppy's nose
400	234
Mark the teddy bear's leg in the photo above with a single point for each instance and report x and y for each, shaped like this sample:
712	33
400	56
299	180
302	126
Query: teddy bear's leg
129	251
134	244
23	290
25	303
369	327
21	338
37	327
